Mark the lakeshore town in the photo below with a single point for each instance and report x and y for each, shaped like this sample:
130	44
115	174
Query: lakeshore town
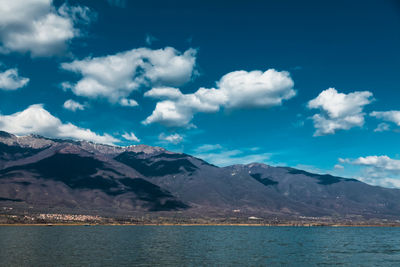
151	219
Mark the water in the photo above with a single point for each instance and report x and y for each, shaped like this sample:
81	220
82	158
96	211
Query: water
198	246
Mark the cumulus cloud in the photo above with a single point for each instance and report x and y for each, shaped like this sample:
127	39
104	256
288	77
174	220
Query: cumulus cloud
131	137
255	88
73	105
37	120
173	138
172	114
36	26
339	111
377	170
115	77
238	89
10	80
391	116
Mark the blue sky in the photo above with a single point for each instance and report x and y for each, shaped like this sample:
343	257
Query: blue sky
307	84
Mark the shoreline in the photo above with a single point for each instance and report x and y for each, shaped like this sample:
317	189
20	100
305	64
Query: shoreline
196	224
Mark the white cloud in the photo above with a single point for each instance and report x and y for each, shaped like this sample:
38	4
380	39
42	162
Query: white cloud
256	88
207	148
125	102
131	137
36	26
377	170
238	89
339	111
164	93
338	166
10	80
229	157
382	127
78	14
115	77
170	114
220	156
381	162
36	120
173	138
392	116
73	105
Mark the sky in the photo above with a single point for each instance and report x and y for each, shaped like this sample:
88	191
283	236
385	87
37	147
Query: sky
308	84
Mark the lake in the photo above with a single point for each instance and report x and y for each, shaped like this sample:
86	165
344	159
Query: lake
198	246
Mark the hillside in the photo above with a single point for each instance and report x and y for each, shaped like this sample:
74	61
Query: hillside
42	175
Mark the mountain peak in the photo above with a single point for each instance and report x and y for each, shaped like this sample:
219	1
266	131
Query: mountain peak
258	165
38	141
145	149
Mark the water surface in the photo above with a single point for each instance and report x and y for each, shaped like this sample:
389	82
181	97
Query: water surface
198	246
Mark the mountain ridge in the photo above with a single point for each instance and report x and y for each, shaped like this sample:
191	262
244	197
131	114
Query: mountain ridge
44	175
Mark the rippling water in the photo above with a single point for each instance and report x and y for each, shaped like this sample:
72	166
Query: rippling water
198	246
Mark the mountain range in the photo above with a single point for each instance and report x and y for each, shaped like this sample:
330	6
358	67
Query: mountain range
43	175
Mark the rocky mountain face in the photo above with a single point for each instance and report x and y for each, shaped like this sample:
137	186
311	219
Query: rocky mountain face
38	174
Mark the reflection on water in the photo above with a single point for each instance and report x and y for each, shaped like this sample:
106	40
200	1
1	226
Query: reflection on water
198	246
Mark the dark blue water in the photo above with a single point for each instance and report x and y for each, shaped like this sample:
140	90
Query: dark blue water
198	246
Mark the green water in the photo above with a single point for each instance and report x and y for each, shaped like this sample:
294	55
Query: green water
198	246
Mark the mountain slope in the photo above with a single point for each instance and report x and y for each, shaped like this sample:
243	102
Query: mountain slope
38	174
